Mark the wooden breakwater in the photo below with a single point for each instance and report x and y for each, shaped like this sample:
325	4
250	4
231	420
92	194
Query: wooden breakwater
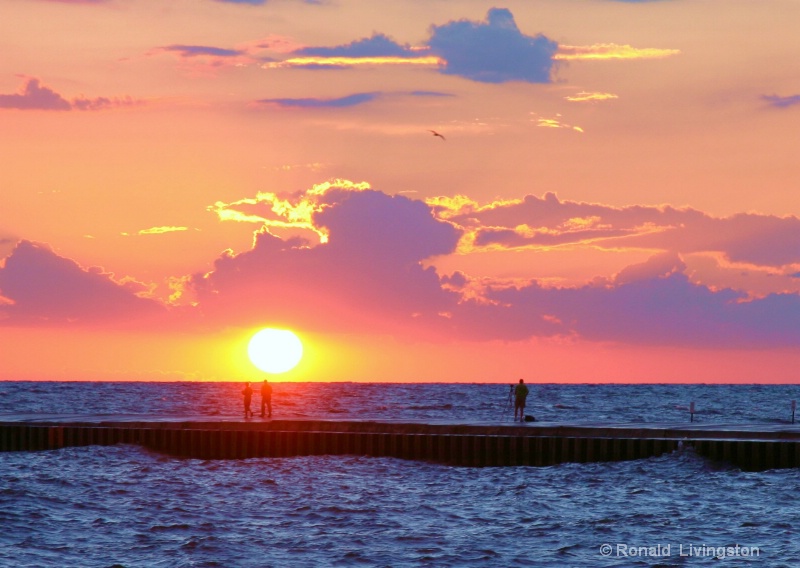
464	445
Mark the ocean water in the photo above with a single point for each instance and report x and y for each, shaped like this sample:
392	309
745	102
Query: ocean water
126	506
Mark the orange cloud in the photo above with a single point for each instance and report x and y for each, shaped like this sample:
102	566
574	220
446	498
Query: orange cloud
162	230
339	61
556	123
604	51
590	97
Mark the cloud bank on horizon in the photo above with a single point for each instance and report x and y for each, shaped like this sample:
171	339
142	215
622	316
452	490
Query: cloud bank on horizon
357	261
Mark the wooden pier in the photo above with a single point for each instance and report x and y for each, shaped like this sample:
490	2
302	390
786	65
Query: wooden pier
749	447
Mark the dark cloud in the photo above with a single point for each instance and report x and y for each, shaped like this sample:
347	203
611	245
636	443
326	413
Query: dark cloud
782	102
346	101
35	96
44	288
494	51
202	50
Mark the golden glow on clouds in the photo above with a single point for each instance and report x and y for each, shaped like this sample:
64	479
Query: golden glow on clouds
162	230
320	61
587	97
293	212
556	123
584	223
225	213
600	51
312	166
449	207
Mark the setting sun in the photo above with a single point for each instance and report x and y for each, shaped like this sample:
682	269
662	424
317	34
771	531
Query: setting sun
275	350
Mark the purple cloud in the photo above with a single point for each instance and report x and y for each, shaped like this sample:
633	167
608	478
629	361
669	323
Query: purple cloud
379	45
494	51
341	102
35	96
653	309
782	102
201	50
44	288
369	271
344	102
764	240
430	94
250	2
262	2
370	276
80	1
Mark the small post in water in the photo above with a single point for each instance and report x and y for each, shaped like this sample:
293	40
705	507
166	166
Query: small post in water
691	411
794	408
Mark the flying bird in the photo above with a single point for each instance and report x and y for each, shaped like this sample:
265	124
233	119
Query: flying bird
437	134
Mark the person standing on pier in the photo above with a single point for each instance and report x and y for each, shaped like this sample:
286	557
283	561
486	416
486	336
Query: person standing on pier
266	397
520	394
248	395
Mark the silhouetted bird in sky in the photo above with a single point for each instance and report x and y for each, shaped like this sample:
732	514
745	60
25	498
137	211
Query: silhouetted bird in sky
437	134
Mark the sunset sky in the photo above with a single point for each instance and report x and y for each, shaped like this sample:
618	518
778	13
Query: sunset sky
614	196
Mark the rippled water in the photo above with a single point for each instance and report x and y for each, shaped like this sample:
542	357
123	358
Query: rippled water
475	402
125	506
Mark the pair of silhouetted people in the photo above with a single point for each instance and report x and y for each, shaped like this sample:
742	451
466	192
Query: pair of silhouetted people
266	399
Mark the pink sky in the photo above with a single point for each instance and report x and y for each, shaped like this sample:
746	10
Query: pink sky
614	199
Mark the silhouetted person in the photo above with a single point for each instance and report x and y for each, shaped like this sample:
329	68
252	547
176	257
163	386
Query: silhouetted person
248	395
520	394
266	397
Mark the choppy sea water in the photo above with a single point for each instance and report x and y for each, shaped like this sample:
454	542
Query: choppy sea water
755	403
126	506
